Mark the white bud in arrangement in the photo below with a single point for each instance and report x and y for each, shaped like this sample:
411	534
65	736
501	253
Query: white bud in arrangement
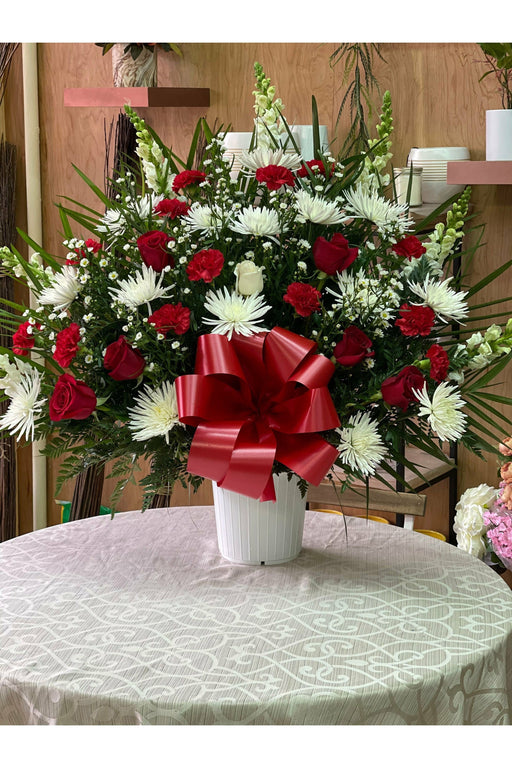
249	278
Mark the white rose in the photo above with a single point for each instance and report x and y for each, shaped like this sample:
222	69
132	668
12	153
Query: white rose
249	278
474	545
469	524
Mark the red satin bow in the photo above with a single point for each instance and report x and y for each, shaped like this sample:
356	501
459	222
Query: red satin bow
255	400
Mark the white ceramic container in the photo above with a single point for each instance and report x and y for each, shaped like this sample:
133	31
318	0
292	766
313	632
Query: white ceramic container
498	134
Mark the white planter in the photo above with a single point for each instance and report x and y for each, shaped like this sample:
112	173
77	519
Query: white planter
498	134
252	532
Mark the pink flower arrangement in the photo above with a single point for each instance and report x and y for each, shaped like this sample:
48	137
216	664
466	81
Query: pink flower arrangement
499	531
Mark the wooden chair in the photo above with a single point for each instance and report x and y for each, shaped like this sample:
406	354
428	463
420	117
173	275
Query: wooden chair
409	505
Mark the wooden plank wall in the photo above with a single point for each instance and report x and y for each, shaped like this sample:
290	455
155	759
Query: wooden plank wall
437	101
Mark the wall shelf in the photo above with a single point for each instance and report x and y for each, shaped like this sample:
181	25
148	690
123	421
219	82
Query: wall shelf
137	97
479	172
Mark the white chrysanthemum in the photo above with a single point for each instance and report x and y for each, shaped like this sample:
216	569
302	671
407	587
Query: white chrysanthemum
113	223
141	288
318	210
235	313
63	289
263	156
155	412
446	303
143	206
370	205
19	418
361	445
262	222
204	218
14	372
443	411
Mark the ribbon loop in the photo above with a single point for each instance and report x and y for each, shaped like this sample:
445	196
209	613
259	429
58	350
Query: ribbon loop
256	400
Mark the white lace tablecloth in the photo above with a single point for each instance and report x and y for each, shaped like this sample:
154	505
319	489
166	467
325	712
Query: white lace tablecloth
139	620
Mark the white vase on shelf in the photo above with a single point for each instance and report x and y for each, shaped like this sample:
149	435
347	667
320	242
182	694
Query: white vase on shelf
498	134
252	532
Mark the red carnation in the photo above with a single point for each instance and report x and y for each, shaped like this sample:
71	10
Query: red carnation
275	176
172	208
122	361
171	317
186	179
303	297
153	249
398	390
439	362
66	344
22	340
334	255
415	320
409	248
353	347
316	166
205	265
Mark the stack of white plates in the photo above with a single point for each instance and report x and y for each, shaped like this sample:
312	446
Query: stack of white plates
433	160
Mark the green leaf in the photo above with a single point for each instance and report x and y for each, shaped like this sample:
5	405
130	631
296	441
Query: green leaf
489	279
193	145
46	257
490	409
97	191
484	380
316	128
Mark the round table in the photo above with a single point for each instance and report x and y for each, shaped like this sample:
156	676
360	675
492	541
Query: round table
139	620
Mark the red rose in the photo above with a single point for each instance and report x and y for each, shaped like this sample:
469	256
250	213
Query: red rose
22	340
439	362
71	399
186	178
153	249
205	265
353	347
398	390
410	248
303	297
122	361
67	344
334	256
415	320
171	317
172	208
314	165
275	176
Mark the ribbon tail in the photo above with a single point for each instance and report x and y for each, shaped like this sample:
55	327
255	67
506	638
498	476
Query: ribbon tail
212	446
309	456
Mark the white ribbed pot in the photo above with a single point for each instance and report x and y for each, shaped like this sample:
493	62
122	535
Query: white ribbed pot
498	134
252	532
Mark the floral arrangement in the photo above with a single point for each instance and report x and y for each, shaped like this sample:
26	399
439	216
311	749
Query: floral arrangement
289	320
483	523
